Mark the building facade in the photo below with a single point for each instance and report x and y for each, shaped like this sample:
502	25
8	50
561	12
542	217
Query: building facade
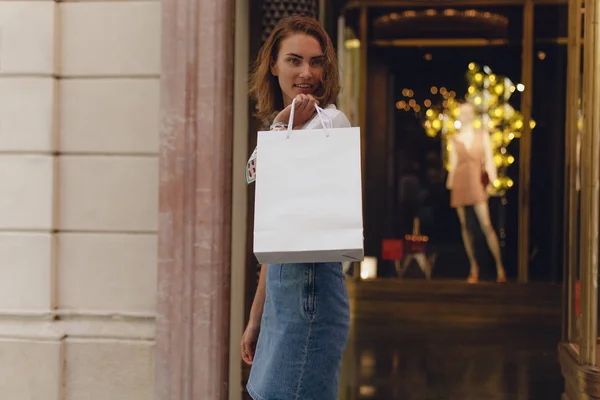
80	100
126	268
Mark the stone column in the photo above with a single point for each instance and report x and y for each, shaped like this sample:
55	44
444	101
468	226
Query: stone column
195	200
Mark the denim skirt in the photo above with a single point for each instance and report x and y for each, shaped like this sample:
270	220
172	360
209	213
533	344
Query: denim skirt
303	334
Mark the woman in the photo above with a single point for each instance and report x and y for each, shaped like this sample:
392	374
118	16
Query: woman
300	318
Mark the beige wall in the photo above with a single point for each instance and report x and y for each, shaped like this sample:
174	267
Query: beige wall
79	97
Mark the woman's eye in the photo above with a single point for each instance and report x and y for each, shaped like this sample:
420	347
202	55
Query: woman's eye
294	61
317	63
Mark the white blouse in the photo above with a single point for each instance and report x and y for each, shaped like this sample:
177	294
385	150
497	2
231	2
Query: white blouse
334	119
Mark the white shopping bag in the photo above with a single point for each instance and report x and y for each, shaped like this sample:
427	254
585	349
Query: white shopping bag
308	205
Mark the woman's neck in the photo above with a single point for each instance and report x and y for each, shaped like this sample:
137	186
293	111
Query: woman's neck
466	128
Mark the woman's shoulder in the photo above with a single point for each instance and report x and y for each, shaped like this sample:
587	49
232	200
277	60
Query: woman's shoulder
337	117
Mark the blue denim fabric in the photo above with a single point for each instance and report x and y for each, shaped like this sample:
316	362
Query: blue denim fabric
304	331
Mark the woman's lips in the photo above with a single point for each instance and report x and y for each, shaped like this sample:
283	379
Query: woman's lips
304	88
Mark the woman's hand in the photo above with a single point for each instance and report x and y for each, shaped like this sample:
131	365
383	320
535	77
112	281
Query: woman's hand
249	339
305	109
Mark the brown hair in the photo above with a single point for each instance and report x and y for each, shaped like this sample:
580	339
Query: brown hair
264	86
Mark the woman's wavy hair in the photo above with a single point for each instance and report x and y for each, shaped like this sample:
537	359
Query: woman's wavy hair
264	86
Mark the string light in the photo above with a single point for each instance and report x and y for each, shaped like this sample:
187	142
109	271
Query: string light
489	94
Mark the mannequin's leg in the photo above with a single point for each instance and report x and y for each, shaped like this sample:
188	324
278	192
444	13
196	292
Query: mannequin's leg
483	215
468	243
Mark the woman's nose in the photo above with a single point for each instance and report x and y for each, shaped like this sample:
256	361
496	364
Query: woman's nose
306	71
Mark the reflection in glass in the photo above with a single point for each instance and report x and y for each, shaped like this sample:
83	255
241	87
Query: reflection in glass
423	64
428	96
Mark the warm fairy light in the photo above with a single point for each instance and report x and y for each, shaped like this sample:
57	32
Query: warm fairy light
498	160
489	94
352	44
427	103
498	89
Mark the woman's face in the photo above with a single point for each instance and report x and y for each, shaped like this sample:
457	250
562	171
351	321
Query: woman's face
299	66
466	114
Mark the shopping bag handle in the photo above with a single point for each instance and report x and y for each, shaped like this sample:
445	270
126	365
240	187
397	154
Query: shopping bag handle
320	112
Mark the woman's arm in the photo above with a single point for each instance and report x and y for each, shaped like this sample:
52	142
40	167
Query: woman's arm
452	165
490	165
250	336
259	298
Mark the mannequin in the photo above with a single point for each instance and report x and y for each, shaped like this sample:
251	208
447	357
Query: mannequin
470	152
